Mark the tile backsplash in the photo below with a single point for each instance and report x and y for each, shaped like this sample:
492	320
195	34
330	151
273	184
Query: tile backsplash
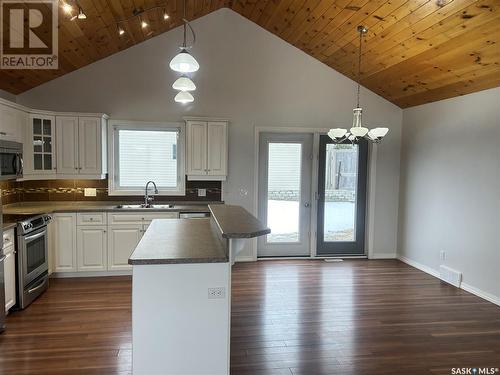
73	190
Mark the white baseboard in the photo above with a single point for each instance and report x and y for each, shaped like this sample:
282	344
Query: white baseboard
383	256
91	274
480	293
468	288
245	258
420	266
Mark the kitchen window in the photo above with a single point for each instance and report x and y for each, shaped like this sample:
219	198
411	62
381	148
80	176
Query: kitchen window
140	152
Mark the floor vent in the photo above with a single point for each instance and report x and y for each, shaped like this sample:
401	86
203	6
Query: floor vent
450	276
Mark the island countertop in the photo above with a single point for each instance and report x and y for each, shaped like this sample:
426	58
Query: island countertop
179	241
204	240
236	222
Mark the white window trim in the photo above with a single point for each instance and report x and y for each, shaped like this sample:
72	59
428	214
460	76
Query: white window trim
114	125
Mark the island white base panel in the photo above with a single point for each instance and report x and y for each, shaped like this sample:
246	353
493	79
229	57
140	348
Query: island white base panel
177	329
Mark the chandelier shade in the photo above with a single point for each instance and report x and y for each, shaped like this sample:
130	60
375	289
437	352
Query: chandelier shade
184	97
184	84
183	62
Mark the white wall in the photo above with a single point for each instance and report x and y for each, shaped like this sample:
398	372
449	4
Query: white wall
7	95
450	188
247	75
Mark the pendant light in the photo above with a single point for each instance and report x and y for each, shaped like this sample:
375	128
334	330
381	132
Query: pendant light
184	84
184	97
184	62
358	131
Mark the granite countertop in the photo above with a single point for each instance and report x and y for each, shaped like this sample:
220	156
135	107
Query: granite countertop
7	226
36	208
236	222
179	241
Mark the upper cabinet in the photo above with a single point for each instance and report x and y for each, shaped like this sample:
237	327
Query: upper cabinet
81	143
39	148
12	123
207	149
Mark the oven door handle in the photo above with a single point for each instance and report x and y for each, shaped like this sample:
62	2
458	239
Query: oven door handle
42	284
35	236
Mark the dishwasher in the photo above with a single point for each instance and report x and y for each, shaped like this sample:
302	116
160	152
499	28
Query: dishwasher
193	215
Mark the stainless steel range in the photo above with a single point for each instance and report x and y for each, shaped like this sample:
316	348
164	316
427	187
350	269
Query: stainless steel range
32	259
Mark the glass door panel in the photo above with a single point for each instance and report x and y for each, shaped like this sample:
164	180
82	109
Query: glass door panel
341	198
285	193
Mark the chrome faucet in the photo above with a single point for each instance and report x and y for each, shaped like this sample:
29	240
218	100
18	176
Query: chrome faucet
147	198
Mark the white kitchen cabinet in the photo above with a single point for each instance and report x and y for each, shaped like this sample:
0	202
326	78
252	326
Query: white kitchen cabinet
207	149
196	148
39	148
67	144
12	123
9	269
10	277
65	242
122	240
217	148
91	248
81	146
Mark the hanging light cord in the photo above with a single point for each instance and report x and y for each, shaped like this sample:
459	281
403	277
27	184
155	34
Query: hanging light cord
186	23
359	65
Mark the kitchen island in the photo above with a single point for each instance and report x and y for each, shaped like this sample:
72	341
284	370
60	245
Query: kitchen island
181	292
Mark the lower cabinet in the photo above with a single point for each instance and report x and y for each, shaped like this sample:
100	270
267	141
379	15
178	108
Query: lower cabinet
96	241
10	277
65	242
91	248
122	240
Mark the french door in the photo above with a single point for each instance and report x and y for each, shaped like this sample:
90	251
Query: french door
285	164
341	198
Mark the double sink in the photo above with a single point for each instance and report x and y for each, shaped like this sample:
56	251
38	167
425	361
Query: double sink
144	206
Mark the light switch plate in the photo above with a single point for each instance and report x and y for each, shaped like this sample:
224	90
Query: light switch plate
90	192
202	192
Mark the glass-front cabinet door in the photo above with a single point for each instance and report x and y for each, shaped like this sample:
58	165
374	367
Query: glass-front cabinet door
41	145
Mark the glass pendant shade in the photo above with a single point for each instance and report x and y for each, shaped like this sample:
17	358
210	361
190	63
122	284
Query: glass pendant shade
184	97
183	62
378	133
359	131
337	133
184	84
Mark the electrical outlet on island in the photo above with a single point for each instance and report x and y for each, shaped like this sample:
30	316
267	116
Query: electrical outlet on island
202	192
90	192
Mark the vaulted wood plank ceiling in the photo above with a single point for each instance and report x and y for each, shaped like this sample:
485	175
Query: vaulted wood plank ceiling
416	51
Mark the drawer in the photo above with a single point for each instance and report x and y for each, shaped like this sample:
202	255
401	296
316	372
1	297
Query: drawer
8	238
125	218
149	217
91	218
139	218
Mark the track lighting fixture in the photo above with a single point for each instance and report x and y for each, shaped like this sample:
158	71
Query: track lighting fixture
139	13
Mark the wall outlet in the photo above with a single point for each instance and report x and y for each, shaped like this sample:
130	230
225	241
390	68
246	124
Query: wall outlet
215	293
442	255
90	192
202	192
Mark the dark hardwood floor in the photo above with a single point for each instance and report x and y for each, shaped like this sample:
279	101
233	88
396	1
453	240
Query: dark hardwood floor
288	317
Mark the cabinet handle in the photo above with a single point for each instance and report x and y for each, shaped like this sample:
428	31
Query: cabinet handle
76	168
3	133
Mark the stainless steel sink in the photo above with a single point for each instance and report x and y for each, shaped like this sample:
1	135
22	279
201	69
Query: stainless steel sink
144	207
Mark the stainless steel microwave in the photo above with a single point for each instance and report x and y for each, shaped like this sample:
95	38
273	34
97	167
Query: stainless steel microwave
11	160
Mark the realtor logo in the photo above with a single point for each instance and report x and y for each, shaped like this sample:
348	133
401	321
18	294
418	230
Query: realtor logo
29	38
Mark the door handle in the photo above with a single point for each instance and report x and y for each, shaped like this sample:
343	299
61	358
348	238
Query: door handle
307	204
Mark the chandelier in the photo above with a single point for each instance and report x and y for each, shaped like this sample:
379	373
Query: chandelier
358	131
184	63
